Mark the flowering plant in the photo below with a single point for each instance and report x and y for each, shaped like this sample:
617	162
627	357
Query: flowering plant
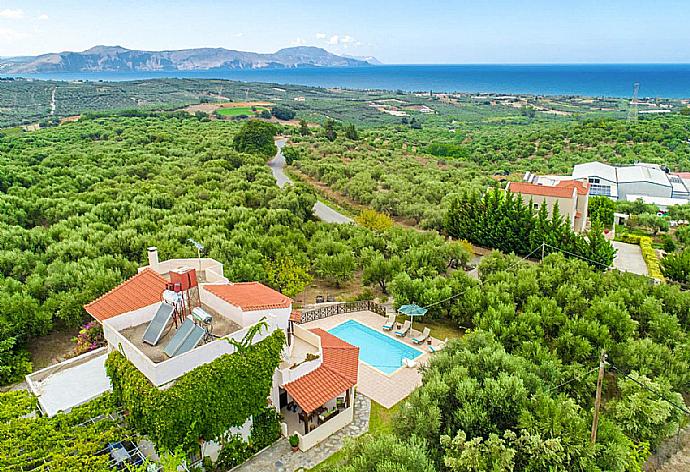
89	338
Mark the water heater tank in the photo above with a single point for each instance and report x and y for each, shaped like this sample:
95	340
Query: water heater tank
171	297
199	314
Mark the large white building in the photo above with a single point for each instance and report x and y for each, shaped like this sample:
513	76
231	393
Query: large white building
641	179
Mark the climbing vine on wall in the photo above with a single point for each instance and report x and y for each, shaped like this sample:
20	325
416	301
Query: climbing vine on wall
204	402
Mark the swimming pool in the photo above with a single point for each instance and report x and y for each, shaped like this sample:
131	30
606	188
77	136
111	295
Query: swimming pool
376	349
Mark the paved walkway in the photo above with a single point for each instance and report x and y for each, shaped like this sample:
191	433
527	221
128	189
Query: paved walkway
629	258
321	210
280	458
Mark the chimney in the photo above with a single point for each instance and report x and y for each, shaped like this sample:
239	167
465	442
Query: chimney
153	257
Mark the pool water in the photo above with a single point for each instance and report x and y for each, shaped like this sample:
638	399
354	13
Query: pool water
375	348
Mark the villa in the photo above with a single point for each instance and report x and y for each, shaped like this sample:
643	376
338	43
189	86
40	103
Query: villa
178	314
570	195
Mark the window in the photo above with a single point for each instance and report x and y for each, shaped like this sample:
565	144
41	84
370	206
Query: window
604	190
536	206
593	180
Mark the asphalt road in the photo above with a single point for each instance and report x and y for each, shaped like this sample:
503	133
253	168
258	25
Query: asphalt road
321	210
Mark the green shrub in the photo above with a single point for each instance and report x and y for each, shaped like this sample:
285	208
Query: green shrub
233	453
265	429
629	238
650	258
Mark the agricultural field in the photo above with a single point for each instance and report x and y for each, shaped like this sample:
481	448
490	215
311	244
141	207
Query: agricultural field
27	101
240	111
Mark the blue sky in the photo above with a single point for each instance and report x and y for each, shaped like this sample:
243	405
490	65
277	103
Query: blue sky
402	31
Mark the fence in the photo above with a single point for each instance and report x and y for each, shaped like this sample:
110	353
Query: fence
338	308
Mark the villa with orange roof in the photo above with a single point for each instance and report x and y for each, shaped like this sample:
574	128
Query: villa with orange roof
176	315
571	196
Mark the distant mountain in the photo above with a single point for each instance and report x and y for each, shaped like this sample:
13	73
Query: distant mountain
370	59
119	59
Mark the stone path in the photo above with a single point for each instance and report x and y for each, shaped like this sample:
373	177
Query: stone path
280	458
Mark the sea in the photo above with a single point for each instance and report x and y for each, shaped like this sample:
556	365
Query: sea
593	80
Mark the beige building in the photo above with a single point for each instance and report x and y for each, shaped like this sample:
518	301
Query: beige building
571	196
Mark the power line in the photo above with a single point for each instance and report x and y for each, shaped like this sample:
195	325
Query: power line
658	394
573	379
480	282
577	255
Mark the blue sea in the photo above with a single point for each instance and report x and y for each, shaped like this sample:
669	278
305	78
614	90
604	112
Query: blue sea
595	80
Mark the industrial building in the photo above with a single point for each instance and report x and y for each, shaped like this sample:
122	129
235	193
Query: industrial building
650	182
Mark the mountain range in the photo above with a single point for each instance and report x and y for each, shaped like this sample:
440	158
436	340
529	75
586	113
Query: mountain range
119	59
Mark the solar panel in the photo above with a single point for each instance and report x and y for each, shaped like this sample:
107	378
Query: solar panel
179	337
192	340
154	330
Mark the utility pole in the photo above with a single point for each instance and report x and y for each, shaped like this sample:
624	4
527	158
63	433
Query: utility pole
633	107
597	400
543	246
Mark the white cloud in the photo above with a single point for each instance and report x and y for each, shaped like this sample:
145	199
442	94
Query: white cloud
238	35
344	40
10	14
8	35
299	42
320	35
43	17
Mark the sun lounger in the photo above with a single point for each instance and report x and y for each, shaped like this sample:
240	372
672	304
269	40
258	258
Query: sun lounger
440	346
388	325
422	337
404	330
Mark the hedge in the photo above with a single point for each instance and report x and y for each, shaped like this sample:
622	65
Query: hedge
650	258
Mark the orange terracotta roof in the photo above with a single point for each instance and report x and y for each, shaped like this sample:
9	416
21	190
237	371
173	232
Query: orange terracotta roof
682	175
337	373
581	187
250	296
143	289
296	316
540	190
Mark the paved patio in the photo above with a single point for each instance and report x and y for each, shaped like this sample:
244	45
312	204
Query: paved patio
279	456
386	390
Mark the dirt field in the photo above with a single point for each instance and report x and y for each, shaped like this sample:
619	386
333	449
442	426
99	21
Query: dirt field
52	348
211	107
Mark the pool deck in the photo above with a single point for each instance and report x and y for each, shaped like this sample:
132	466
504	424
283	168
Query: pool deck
386	390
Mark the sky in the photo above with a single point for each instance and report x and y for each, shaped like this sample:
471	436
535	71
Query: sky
395	32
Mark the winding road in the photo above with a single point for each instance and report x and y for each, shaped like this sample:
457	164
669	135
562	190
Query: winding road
321	210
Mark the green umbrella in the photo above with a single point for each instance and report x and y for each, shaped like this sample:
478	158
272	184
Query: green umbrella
412	311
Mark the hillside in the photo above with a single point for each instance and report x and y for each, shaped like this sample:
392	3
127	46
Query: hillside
119	59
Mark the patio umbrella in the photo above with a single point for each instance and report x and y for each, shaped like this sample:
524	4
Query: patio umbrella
412	311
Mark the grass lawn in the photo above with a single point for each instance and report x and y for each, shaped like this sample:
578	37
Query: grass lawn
239	111
440	329
380	422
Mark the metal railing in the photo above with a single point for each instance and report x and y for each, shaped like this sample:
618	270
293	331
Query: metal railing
339	308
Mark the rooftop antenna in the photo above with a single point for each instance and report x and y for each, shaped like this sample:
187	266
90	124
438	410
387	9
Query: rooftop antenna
199	249
632	109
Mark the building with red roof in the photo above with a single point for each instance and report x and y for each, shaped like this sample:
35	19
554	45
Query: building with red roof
139	291
571	196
